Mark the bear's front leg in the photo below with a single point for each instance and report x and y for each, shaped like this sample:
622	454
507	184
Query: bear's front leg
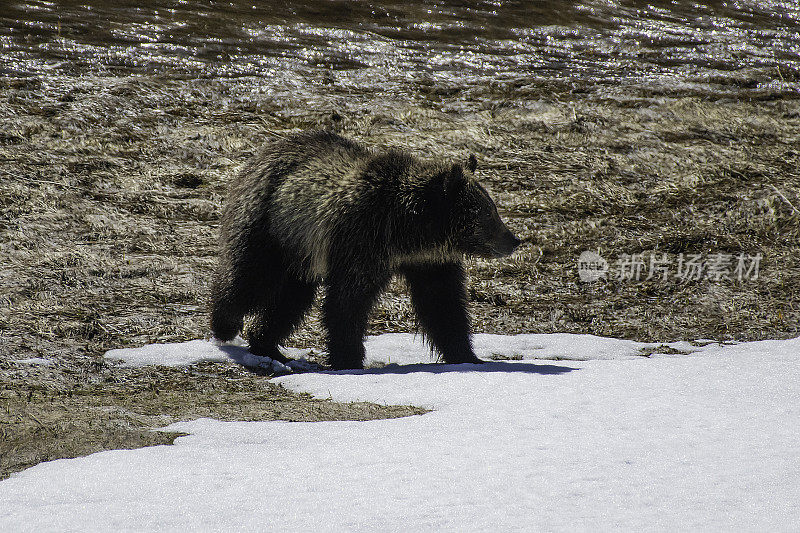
439	296
348	301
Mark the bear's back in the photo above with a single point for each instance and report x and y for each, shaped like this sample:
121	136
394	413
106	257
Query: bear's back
321	185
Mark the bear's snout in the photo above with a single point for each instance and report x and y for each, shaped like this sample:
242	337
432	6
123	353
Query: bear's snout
505	243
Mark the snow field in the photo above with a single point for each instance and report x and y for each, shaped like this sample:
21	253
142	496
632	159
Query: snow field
599	439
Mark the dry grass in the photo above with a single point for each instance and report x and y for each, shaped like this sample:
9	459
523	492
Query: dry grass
110	191
117	408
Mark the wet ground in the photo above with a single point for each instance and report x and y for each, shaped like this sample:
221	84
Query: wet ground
383	47
666	129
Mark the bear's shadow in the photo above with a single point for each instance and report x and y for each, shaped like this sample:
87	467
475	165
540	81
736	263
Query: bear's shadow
254	363
442	368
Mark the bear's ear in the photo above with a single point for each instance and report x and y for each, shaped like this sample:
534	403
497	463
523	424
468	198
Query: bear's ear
450	180
472	163
454	179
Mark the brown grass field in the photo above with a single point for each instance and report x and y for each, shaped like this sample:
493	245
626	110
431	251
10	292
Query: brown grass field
111	188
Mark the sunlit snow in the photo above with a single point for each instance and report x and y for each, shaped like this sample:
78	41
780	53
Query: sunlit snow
582	433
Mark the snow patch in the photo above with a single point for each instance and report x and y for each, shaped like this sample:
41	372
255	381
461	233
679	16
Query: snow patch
399	349
39	361
198	351
613	441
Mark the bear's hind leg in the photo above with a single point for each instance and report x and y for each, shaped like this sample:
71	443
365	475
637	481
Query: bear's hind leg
246	280
231	300
276	320
439	297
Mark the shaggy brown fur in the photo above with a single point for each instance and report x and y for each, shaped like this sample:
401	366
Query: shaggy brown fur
319	208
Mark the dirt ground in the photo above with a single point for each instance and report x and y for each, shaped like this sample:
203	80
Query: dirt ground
111	188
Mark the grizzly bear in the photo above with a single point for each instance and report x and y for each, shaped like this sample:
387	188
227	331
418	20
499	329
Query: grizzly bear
317	208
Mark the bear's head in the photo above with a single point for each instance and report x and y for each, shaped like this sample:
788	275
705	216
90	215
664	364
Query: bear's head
474	225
